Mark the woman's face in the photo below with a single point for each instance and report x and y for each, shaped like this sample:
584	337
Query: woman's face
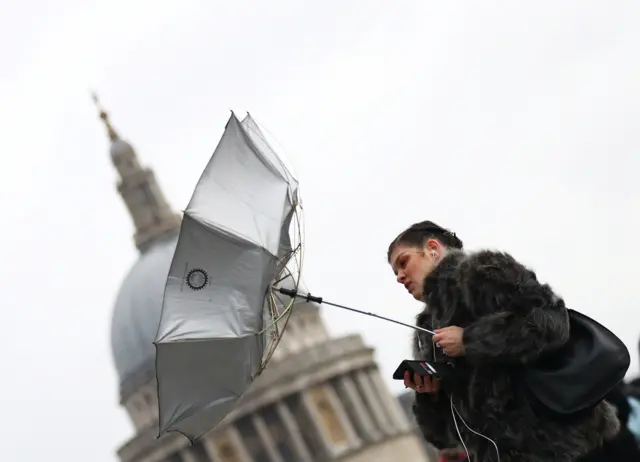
412	265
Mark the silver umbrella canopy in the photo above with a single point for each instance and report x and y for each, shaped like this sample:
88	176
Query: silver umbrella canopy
233	242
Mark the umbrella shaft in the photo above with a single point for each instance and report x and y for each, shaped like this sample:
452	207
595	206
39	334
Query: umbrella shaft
310	298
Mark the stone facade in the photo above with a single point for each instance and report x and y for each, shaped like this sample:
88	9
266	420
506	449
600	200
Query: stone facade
323	402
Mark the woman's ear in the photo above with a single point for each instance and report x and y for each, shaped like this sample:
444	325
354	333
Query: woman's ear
432	246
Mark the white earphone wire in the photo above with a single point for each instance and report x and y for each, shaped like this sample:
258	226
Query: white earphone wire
455	412
455	422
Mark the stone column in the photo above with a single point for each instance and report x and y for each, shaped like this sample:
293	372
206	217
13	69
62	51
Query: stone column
240	447
198	452
316	422
210	446
351	438
364	420
369	394
229	436
388	401
354	440
292	428
188	456
266	439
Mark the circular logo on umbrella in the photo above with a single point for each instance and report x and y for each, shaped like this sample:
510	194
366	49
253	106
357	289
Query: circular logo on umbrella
197	279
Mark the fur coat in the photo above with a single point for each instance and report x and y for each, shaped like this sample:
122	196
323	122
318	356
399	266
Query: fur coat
509	320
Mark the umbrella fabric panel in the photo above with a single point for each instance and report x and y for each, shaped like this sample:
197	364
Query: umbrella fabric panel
200	382
241	192
260	141
216	286
285	248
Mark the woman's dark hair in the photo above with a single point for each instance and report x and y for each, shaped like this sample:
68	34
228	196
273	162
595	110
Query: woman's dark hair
419	233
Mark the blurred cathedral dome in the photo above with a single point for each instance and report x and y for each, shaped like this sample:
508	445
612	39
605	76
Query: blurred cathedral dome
136	315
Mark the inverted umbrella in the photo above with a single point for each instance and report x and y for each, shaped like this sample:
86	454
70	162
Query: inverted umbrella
219	320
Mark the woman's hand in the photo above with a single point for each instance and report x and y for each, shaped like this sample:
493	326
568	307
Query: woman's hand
450	340
421	384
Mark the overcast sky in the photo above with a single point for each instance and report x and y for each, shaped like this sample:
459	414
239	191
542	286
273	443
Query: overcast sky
514	125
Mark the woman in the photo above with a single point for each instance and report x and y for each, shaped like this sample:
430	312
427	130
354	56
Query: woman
491	317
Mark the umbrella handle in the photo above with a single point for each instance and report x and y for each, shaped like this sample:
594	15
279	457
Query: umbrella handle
311	298
293	294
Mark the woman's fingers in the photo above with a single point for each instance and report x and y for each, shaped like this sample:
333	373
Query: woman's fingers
429	385
407	381
421	384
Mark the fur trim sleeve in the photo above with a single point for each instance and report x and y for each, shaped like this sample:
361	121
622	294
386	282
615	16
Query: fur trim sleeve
516	317
432	412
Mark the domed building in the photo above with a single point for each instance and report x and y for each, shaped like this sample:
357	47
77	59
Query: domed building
320	398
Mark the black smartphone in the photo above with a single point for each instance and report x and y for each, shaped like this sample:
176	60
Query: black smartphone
422	368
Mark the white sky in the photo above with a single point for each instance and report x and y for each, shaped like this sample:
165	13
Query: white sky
514	125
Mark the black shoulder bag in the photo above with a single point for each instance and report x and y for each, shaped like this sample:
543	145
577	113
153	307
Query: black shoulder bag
575	378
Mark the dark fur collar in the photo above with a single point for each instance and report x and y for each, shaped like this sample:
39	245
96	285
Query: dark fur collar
444	270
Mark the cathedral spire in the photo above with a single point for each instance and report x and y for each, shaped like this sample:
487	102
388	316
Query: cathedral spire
113	135
151	214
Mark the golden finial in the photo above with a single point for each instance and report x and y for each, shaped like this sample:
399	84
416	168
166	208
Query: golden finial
105	118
